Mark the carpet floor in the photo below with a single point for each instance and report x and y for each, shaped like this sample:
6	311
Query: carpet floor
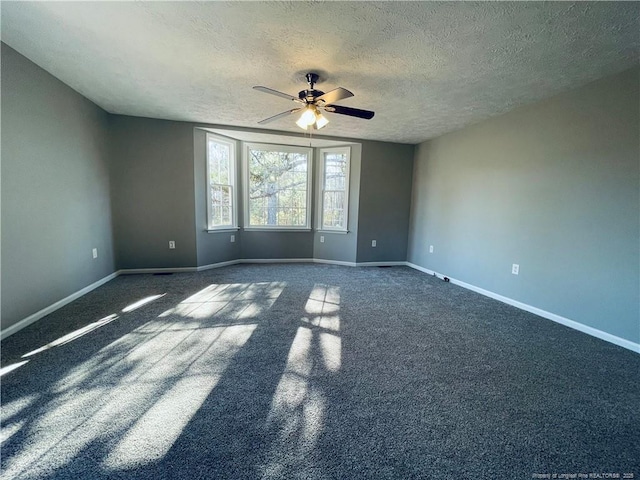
299	371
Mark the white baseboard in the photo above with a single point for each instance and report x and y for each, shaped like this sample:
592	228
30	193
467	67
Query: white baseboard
302	260
259	260
274	260
322	260
334	262
418	267
277	260
381	264
217	265
594	332
53	307
136	271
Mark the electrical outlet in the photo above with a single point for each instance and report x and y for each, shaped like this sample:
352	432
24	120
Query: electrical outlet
430	248
233	238
172	244
374	243
321	238
95	253
515	269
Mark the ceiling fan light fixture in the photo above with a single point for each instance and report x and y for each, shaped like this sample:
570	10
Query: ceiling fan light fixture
321	120
301	123
308	117
311	118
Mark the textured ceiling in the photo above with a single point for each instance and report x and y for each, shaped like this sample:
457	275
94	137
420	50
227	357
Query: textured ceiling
426	68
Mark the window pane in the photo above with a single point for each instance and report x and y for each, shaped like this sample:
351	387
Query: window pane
219	163
334	189
221	204
226	215
277	188
335	171
333	209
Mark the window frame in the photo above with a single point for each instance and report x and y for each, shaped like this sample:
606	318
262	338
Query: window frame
247	147
321	184
233	177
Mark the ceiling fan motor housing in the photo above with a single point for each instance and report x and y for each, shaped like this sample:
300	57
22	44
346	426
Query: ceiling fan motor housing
310	95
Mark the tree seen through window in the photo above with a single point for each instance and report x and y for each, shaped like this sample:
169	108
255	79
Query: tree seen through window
278	188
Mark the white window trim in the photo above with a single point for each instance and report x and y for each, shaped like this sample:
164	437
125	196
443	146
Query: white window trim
234	186
320	216
245	173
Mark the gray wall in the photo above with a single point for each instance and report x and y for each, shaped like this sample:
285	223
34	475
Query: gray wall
553	187
385	199
262	244
158	194
55	190
152	192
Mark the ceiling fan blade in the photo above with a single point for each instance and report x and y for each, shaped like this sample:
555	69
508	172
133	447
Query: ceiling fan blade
280	115
260	88
352	112
335	95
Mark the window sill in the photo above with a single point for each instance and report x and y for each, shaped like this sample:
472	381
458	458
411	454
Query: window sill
339	232
275	229
222	230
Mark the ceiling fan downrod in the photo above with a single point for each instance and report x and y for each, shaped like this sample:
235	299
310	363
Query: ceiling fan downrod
312	79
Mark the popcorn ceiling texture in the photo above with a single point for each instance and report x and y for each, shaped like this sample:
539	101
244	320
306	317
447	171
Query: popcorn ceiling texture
425	68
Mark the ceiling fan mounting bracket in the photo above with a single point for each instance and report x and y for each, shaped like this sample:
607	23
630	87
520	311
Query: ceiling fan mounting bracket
312	79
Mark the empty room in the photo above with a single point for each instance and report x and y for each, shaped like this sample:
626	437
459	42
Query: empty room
320	240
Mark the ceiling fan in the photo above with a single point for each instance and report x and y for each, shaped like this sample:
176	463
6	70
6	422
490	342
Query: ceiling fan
313	102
